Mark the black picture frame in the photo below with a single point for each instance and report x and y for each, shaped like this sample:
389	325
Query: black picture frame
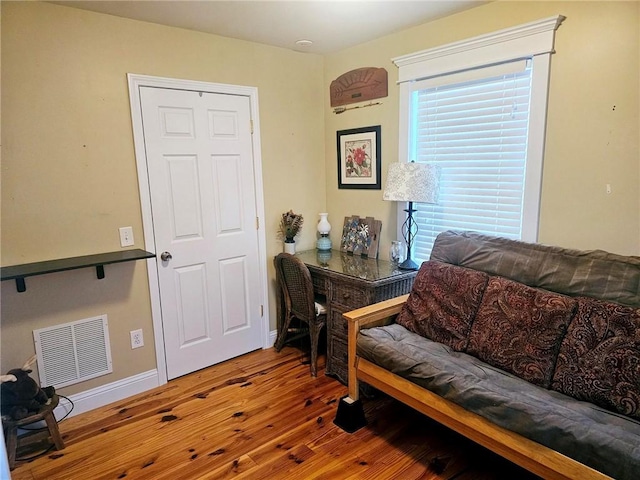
359	164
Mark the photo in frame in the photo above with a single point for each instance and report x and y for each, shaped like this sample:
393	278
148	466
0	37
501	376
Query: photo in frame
359	163
361	236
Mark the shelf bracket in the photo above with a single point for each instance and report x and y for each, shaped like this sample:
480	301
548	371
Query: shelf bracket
21	286
100	271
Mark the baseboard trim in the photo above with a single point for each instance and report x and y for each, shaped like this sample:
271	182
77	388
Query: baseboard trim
106	394
273	334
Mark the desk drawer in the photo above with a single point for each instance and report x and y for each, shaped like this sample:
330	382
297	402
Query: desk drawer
349	295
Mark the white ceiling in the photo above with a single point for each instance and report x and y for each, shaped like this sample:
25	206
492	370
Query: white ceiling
331	25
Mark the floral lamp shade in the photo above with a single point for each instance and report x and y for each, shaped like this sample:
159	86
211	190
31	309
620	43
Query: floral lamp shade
412	182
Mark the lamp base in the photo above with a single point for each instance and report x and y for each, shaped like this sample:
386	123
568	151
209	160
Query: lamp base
323	243
408	264
409	231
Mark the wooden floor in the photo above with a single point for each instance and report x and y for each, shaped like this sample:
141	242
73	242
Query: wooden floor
260	416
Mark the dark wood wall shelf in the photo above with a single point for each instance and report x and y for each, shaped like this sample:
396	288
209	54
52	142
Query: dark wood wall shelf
20	272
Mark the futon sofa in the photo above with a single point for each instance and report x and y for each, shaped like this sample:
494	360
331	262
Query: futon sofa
530	350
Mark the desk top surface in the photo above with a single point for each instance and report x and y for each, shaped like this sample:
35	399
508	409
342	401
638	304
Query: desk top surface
369	269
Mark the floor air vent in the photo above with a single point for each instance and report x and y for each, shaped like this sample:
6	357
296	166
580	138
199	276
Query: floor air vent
73	352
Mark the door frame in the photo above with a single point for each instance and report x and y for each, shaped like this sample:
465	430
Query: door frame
136	81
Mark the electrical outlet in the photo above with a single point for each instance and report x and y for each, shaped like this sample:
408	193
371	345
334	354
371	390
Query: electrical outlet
126	236
137	339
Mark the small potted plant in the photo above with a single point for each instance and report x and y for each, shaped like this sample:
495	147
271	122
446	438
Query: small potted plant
290	225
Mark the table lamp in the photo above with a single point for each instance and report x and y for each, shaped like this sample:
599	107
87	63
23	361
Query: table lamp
411	182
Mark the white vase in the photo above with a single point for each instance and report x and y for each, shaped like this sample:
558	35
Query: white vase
290	247
324	227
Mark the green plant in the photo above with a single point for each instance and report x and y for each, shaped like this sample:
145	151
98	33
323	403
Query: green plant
290	225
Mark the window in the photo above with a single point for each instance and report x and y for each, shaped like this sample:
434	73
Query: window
477	132
481	117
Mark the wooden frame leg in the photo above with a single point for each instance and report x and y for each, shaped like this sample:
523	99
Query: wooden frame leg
52	425
11	441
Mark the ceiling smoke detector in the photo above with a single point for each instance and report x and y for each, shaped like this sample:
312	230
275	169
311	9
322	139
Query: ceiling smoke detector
304	43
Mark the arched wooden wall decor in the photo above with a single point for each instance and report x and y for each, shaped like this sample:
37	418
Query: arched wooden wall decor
359	85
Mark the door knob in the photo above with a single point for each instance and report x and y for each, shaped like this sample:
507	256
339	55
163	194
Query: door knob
165	256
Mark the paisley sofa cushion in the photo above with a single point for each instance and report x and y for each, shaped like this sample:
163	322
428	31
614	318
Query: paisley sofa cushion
443	302
519	329
599	359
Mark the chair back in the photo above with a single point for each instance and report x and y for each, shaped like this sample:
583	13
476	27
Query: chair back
297	287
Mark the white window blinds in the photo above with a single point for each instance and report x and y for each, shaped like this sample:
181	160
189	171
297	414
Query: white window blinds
478	108
476	130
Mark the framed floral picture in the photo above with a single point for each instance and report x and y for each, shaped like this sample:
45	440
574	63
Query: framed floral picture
359	158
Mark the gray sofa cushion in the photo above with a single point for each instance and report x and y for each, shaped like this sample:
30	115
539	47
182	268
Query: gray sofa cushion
597	437
595	273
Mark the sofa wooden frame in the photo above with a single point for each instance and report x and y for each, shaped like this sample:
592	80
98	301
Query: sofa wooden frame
530	455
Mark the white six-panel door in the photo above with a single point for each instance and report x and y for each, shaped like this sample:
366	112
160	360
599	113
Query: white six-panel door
201	181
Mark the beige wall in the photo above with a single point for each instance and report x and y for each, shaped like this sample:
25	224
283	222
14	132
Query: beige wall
593	122
69	171
68	166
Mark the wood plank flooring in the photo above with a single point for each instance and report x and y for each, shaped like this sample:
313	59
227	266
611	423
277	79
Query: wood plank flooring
259	416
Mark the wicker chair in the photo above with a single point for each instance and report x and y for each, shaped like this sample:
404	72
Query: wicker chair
296	287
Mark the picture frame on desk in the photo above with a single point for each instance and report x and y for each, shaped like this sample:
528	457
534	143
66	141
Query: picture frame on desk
359	165
361	236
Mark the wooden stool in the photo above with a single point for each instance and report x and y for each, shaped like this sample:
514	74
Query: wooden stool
10	428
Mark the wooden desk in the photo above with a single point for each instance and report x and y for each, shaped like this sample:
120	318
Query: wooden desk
350	282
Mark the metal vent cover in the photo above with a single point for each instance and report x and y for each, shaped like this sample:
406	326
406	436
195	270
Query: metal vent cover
73	352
